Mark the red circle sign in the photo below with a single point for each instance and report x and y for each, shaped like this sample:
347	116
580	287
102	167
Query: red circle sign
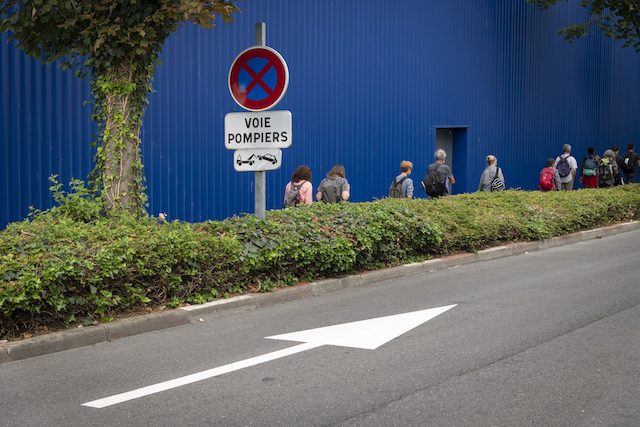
258	78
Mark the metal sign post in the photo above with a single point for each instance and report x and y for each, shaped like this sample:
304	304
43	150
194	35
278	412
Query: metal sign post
258	79
260	198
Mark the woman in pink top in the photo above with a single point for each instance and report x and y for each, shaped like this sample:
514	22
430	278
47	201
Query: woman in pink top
299	190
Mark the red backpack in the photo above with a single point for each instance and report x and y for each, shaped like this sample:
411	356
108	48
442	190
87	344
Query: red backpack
545	182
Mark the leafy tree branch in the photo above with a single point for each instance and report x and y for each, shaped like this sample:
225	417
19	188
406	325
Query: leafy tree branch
618	19
116	44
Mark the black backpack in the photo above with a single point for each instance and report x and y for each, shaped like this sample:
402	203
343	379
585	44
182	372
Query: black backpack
564	169
332	191
628	162
432	185
395	189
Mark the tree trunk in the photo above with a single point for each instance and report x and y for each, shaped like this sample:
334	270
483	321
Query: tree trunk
121	160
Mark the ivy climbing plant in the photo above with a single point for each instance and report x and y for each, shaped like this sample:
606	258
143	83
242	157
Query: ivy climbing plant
116	44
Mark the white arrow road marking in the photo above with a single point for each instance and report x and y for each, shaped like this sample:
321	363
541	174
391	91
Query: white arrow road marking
156	388
366	334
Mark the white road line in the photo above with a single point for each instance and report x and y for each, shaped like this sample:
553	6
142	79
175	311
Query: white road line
178	382
365	334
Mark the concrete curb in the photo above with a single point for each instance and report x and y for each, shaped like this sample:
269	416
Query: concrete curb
146	323
74	338
51	343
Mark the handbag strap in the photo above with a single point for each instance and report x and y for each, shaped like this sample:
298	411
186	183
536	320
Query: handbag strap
497	171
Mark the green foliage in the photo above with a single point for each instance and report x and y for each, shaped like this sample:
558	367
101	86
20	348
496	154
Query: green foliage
618	19
327	239
474	221
98	34
56	269
72	264
80	204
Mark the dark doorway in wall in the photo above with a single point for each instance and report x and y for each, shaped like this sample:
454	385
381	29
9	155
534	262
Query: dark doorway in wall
453	140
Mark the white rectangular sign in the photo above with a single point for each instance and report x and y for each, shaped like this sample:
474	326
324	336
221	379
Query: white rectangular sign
265	129
257	160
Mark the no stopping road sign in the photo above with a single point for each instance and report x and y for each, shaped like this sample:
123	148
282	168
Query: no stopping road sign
258	78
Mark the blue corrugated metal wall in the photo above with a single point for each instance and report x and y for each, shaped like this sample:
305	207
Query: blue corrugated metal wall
368	86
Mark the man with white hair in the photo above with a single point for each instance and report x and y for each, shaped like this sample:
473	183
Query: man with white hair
439	177
567	167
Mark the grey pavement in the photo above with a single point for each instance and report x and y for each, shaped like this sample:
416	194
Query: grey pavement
546	337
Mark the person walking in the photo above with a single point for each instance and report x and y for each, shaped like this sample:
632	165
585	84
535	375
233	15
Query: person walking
630	162
492	178
567	168
589	169
299	191
335	187
549	178
402	185
608	169
620	161
439	178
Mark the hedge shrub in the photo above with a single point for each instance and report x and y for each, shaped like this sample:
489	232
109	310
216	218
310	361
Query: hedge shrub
71	265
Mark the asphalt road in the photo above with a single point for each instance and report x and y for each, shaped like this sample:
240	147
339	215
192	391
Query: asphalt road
545	338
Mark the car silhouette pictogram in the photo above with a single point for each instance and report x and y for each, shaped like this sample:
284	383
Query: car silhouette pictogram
268	157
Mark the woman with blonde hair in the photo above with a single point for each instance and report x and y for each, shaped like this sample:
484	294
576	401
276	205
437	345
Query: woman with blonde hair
491	178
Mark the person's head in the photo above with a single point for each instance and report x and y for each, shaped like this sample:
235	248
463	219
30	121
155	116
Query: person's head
550	162
610	154
337	170
591	150
630	147
440	155
303	173
406	166
491	160
615	149
566	148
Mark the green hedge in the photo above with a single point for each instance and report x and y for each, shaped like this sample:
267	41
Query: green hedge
71	265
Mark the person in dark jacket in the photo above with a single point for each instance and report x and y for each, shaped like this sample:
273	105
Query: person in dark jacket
441	173
608	169
620	162
630	162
